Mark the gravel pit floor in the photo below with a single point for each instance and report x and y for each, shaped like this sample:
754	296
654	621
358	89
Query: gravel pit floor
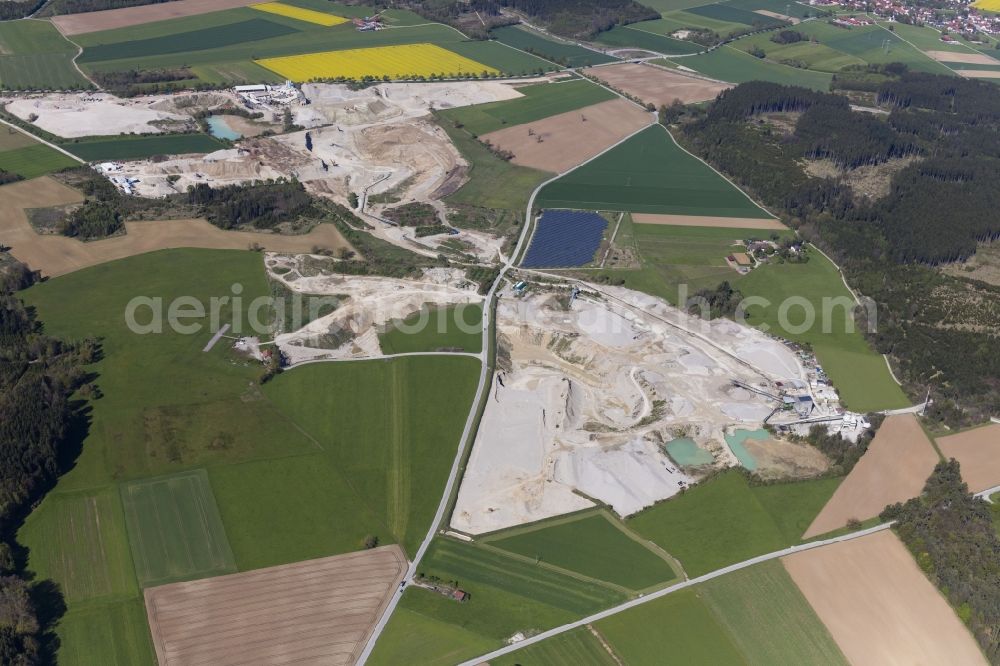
587	397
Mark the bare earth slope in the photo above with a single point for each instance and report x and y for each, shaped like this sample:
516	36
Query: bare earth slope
878	606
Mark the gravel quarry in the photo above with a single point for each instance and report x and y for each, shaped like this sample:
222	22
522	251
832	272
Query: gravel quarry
364	306
589	392
72	115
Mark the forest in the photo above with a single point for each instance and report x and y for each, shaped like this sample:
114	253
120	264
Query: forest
940	331
951	535
42	381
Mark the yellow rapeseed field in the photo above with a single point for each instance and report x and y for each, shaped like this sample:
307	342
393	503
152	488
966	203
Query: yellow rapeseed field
988	5
396	62
294	12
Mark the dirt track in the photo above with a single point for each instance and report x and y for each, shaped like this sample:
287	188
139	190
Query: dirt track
76	24
559	143
878	606
894	469
978	73
659	86
978	451
58	255
318	611
708	221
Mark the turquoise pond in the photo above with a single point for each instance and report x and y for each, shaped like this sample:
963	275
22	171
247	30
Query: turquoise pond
686	453
736	440
220	129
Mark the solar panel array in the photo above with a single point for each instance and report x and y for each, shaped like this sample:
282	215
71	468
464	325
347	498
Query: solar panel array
565	238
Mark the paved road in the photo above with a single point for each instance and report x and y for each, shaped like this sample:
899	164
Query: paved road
382	358
669	590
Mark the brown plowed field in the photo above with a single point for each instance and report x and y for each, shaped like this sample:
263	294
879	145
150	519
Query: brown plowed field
978	451
318	612
77	24
58	255
559	143
878	606
708	221
894	469
963	57
978	73
656	85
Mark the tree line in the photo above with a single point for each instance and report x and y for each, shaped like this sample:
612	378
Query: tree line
42	415
951	534
940	330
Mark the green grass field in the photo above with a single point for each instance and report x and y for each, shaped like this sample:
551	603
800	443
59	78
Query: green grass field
859	373
411	632
724	520
731	64
34	160
222	45
725	11
870	44
649	173
34	56
113	634
175	529
507	595
591	545
677	628
563	53
452	328
540	101
409	413
671	256
11	138
753	602
578	647
79	540
307	467
634	36
493	182
140	147
682	20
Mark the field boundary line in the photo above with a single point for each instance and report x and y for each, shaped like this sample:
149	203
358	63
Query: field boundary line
857	300
43	141
668	590
555	568
720	174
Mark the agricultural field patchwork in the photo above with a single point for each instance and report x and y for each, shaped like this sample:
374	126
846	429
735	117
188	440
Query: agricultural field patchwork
579	647
727	63
34	160
679	625
175	529
307	15
649	173
396	62
752	602
725	520
563	53
539	101
34	56
634	36
594	545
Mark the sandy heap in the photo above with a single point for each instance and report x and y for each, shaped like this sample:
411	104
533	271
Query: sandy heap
364	305
592	393
95	114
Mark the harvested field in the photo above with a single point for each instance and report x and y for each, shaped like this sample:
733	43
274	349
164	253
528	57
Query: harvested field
76	24
878	605
708	221
317	611
58	255
963	57
780	17
979	73
659	86
978	451
559	143
894	469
